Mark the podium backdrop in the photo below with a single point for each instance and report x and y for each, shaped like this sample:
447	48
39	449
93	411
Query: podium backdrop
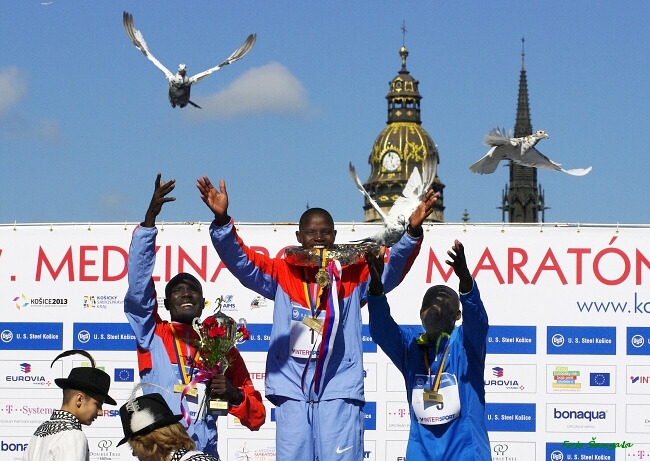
568	346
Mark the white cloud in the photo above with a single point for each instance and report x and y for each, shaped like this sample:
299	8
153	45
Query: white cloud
12	88
271	88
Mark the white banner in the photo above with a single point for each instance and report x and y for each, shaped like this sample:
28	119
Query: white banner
568	346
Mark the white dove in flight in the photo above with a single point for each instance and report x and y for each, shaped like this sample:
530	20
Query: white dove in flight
519	150
180	84
396	221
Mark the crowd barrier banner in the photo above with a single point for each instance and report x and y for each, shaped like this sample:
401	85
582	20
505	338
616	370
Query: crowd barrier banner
567	374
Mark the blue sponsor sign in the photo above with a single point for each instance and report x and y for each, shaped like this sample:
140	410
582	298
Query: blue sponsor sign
259	340
599	379
124	375
31	336
273	415
103	337
366	340
638	341
581	340
558	452
510	417
511	339
370	416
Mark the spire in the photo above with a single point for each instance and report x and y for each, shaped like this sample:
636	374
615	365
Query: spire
523	125
522	199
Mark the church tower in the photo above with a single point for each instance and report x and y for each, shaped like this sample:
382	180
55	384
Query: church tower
400	147
523	199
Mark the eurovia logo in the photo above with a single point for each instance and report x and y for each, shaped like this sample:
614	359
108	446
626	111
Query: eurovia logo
21	301
26	377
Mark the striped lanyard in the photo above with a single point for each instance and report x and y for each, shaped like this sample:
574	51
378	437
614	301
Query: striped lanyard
180	357
436	384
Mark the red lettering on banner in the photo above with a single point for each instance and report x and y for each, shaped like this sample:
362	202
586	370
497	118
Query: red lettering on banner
168	263
434	260
639	260
216	272
42	259
516	267
555	266
492	266
184	257
578	252
83	262
113	278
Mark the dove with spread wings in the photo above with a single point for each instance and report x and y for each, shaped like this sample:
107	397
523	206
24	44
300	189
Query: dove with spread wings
396	221
520	150
180	84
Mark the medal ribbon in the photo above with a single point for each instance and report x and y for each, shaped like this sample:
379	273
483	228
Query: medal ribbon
189	385
442	362
330	327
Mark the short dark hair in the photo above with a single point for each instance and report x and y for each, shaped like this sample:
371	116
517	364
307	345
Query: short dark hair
432	294
314	211
179	278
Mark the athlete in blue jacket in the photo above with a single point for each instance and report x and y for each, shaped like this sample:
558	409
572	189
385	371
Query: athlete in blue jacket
165	354
316	385
442	367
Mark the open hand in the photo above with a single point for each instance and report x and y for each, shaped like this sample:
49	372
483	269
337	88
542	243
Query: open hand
159	198
216	200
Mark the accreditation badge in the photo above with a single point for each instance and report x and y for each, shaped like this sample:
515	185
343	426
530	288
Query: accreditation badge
435	408
303	340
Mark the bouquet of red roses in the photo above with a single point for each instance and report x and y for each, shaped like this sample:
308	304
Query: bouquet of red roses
217	335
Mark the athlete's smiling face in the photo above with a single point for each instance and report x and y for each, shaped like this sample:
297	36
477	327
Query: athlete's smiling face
185	302
316	230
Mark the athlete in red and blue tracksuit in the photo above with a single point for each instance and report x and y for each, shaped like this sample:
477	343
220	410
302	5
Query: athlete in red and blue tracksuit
158	344
325	425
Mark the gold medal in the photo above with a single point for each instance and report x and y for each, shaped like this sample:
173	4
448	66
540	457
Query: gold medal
313	324
431	396
179	389
322	279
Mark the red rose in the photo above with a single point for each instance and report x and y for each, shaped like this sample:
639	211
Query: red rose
216	332
209	322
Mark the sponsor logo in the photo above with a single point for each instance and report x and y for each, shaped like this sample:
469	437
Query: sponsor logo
579	414
497	371
21	301
101	301
510	417
225	303
27	377
510	379
104	445
637	341
4	446
557	340
599	379
83	336
340	450
556	455
640	379
500	449
258	301
563	378
124	375
6	336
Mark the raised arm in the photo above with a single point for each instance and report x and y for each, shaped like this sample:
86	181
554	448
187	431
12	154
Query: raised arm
140	302
216	200
475	320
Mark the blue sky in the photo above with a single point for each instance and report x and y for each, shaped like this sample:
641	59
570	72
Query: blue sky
85	124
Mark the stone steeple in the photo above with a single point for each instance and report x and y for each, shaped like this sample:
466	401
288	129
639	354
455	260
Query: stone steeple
402	146
522	199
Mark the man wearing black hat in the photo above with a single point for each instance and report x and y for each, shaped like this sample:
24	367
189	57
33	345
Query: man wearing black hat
60	438
165	355
442	367
154	432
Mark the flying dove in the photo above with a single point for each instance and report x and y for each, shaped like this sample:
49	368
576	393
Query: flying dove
520	150
180	84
